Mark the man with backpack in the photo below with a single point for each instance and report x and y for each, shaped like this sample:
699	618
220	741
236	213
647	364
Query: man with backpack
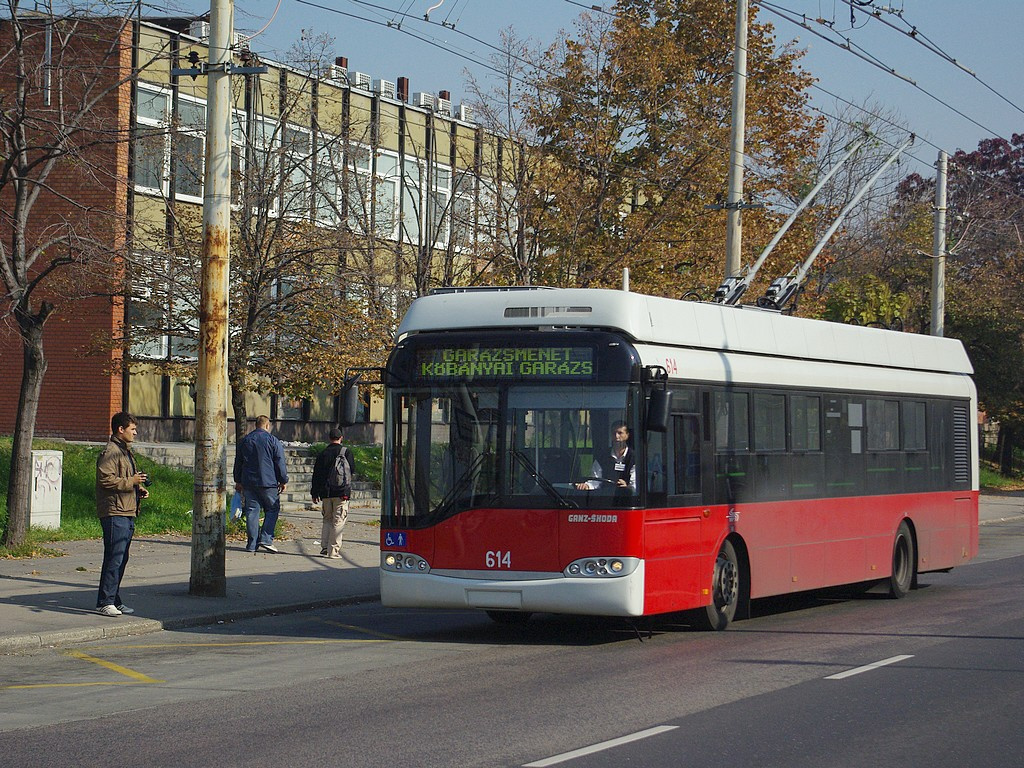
332	484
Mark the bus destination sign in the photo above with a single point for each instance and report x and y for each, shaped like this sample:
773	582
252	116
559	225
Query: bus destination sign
517	363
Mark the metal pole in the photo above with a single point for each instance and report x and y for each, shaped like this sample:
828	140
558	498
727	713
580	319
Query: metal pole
210	491
734	225
939	250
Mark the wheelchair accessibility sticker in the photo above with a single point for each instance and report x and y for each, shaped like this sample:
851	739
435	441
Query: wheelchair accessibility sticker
396	539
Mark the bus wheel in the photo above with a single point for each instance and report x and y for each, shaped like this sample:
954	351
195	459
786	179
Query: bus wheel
510	618
725	591
904	563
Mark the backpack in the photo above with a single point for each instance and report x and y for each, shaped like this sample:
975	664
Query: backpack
340	475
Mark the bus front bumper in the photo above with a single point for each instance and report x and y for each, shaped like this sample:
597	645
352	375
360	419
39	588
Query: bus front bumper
533	592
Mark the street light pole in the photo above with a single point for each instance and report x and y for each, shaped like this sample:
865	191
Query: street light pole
209	494
939	250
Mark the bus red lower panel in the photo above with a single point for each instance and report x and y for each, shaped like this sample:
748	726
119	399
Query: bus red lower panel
799	545
790	546
498	539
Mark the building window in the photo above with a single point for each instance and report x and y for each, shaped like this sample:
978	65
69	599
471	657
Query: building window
263	174
439	200
462	216
152	146
297	158
412	201
189	147
327	185
146	309
385	208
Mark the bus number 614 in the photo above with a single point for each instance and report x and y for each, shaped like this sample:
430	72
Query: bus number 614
498	559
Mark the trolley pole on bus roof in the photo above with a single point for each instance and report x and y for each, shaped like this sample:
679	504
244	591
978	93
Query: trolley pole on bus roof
939	250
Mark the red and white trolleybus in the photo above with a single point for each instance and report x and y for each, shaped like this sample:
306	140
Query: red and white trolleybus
762	454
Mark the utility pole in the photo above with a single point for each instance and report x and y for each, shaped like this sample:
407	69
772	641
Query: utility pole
734	203
209	495
939	250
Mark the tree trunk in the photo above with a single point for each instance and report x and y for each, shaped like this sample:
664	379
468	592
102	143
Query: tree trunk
241	417
19	486
1007	442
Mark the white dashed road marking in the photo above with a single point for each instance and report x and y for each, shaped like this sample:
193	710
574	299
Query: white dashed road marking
869	667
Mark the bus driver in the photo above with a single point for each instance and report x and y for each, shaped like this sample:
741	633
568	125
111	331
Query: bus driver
622	463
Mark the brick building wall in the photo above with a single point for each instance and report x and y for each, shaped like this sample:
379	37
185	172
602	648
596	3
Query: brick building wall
81	389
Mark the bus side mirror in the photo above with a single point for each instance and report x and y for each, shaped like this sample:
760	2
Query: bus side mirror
659	408
350	403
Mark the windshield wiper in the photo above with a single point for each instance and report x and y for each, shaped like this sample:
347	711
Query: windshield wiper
542	481
458	488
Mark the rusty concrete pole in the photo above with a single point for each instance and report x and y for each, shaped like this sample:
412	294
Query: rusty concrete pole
939	249
210	492
734	202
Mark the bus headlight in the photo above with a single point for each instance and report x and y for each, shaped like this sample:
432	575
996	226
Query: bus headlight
602	567
402	561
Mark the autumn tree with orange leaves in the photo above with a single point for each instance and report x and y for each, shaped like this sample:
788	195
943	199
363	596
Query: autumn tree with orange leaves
629	121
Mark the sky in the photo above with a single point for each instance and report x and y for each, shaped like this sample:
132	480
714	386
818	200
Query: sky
381	38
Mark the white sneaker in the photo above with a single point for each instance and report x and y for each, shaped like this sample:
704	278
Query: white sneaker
108	610
125	609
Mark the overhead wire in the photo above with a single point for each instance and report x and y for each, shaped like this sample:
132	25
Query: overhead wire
569	95
849	46
921	39
402	12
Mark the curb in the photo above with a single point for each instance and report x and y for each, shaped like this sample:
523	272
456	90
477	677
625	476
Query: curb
63	637
1009	519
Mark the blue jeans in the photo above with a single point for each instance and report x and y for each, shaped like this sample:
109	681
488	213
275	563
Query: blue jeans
117	540
270	500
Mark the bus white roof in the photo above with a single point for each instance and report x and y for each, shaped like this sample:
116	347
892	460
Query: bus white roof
655	320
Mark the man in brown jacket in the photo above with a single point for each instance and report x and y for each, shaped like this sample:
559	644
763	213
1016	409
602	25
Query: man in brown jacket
119	488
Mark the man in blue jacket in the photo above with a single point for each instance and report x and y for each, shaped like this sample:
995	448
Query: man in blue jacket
261	477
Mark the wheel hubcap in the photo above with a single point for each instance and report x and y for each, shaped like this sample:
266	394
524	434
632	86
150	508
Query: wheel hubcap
726	582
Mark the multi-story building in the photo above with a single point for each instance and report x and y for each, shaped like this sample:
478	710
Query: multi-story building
413	186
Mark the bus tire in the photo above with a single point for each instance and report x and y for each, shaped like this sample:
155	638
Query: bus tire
509	618
904	563
725	591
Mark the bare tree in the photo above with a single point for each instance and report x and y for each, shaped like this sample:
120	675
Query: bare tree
296	322
67	78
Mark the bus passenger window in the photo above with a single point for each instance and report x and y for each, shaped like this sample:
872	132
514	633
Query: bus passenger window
656	460
883	425
769	422
805	422
732	422
686	439
914	420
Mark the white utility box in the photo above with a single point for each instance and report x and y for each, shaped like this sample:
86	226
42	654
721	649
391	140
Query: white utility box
47	483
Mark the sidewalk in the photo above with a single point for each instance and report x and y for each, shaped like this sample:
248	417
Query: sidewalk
50	600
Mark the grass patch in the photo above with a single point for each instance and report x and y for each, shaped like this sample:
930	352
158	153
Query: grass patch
29	550
167	510
991	480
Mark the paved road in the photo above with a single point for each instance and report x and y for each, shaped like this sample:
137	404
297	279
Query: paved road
360	685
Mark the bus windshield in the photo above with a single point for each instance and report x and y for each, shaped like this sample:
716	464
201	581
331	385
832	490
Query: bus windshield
504	444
